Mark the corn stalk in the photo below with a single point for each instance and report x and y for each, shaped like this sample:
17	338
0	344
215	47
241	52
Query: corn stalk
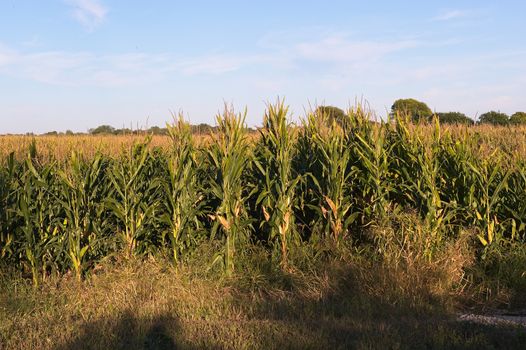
336	177
132	201
230	156
183	199
277	197
484	198
373	153
8	214
82	201
39	211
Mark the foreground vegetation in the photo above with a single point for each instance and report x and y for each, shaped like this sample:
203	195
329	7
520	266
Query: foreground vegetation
338	232
145	304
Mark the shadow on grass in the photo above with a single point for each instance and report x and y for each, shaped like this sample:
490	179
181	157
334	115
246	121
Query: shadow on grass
125	332
348	317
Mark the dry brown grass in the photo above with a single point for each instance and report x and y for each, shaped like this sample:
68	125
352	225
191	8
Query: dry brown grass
136	304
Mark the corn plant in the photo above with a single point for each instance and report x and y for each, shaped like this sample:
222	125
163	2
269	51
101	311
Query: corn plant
183	199
336	178
277	196
514	203
39	210
372	159
406	147
230	155
8	214
428	191
307	164
456	177
82	199
484	198
132	201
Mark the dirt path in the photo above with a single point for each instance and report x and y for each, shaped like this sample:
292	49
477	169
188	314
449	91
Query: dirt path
518	319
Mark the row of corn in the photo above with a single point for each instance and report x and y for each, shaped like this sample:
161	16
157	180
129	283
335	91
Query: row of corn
325	180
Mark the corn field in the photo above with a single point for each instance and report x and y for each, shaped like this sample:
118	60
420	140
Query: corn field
333	181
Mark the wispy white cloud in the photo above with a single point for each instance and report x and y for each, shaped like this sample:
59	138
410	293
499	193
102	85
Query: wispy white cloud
5	59
214	64
339	65
89	13
333	63
217	64
82	68
33	42
85	68
338	48
7	55
449	15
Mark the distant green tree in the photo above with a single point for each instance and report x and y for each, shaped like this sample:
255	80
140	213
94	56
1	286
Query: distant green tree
495	118
69	132
123	131
454	118
415	109
332	113
202	128
51	133
102	129
155	130
518	118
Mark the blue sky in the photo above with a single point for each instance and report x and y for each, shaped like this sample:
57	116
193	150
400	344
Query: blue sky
76	64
